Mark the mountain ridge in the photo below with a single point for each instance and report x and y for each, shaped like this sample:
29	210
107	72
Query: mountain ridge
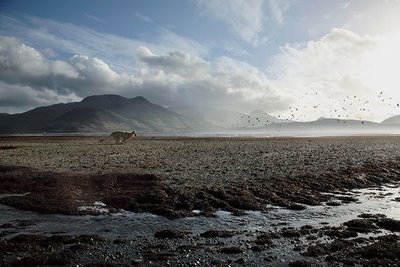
392	120
106	113
96	113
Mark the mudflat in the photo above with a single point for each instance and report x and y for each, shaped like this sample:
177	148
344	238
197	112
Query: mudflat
191	177
175	176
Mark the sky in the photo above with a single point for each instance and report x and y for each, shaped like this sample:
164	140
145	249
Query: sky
299	59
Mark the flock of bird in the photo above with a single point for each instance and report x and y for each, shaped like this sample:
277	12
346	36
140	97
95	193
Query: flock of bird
348	107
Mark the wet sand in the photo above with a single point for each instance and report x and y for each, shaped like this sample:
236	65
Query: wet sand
173	177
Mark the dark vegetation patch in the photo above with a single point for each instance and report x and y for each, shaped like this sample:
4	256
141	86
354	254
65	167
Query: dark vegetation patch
300	263
265	240
41	250
232	250
170	234
173	177
361	225
334	246
60	192
345	248
8	147
374	251
51	192
218	233
389	224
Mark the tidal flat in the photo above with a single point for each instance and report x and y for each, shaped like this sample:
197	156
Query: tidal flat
200	201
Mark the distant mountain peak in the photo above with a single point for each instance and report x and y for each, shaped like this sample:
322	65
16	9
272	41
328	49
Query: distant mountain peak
110	98
140	99
392	120
257	112
322	118
98	113
113	100
102	98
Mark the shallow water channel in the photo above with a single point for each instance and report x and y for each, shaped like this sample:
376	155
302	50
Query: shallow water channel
140	228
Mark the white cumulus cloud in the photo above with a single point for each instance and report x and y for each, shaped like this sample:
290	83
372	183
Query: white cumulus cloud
320	72
174	78
342	71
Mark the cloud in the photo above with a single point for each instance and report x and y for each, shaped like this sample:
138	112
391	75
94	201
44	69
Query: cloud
339	50
93	69
244	18
17	98
340	65
169	40
174	63
183	79
92	17
69	39
143	17
344	5
22	64
175	78
65	61
26	66
250	86
277	9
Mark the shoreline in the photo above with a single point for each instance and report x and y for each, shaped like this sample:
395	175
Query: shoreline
211	136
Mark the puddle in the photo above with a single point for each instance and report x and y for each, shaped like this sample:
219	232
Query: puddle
97	208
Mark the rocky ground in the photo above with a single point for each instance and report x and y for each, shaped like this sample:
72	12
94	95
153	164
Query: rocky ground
173	177
371	240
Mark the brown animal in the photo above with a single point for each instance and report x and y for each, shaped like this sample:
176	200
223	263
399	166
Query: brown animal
121	137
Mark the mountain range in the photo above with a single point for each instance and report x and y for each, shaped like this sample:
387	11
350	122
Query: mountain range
107	113
100	113
392	120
